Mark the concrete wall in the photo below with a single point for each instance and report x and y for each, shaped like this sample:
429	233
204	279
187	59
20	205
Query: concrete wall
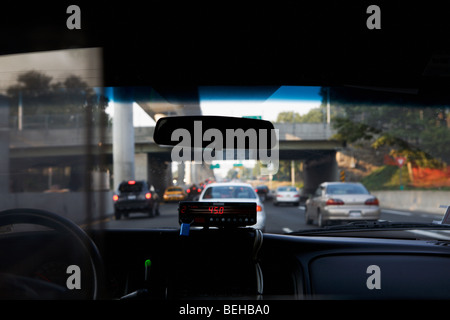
423	201
71	205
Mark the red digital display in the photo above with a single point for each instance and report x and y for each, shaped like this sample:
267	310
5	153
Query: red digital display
216	210
217	213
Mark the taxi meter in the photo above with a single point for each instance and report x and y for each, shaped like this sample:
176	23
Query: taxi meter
217	214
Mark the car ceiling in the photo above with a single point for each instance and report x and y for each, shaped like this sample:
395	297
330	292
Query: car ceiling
167	45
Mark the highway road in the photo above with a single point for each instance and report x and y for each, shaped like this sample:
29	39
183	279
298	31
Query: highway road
280	219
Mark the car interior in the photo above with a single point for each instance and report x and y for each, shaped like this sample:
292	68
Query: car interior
192	46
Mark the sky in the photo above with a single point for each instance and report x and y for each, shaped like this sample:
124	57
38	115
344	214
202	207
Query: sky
286	98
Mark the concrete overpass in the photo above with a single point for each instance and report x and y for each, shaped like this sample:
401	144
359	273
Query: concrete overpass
157	103
130	152
309	142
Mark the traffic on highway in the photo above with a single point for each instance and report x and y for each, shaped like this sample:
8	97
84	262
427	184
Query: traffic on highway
279	219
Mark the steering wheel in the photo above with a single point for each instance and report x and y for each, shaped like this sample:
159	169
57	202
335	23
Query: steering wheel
29	288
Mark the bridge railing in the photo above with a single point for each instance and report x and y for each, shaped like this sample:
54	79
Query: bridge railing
304	131
58	128
51	121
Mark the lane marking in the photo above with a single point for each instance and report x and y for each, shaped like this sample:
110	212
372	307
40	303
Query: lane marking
404	213
401	213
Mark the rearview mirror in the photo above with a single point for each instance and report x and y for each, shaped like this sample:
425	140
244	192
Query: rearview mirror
202	128
209	138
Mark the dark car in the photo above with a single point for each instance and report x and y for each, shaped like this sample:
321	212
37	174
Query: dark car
263	192
193	192
135	196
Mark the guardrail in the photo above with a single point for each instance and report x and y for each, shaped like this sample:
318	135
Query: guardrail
51	121
57	122
420	200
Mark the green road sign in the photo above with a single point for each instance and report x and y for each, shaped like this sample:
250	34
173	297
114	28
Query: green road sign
253	117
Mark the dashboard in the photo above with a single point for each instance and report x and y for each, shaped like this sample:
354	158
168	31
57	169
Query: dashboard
210	264
217	264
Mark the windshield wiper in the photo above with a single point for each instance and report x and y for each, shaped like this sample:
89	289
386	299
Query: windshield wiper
373	225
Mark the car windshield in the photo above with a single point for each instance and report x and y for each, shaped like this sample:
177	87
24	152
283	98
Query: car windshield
346	189
172	189
131	187
287	189
68	144
229	192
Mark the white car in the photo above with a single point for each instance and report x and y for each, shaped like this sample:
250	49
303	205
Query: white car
341	201
235	192
287	194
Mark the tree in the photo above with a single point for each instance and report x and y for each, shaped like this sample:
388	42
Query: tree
40	95
315	115
31	84
421	133
288	117
232	174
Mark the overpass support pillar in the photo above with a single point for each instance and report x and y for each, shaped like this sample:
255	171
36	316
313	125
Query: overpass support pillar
320	170
181	174
141	166
123	136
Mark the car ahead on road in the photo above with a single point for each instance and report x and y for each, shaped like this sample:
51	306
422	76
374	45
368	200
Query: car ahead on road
174	194
235	192
287	194
341	201
193	192
263	192
135	196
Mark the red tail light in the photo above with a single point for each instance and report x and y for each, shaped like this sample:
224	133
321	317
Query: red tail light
131	182
258	208
115	197
199	190
334	202
148	195
188	190
372	202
